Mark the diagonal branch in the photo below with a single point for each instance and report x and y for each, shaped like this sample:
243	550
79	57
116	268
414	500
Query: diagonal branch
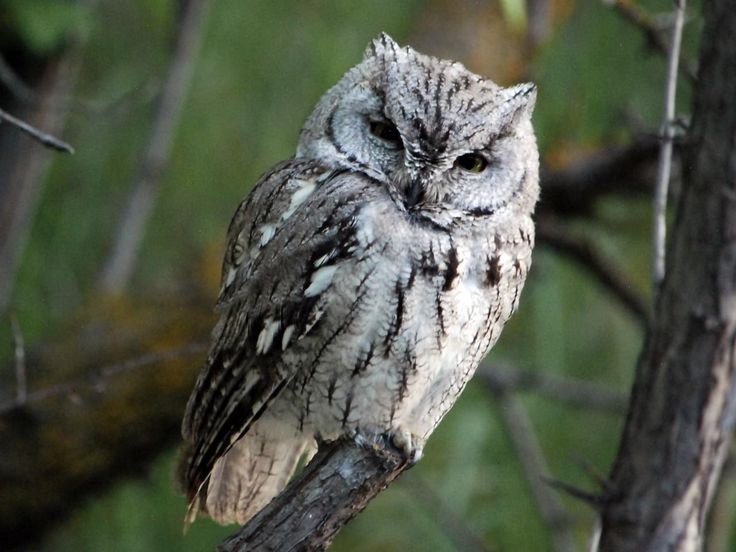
529	453
623	170
577	393
119	266
333	488
654	37
606	273
40	136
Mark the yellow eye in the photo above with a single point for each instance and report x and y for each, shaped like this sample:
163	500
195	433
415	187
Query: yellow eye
472	162
386	132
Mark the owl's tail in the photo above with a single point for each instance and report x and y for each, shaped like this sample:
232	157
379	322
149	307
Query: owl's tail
254	470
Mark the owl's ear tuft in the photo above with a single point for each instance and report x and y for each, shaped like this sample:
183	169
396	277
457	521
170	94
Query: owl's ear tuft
382	46
518	101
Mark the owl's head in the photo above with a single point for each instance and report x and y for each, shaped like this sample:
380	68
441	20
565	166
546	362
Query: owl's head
438	136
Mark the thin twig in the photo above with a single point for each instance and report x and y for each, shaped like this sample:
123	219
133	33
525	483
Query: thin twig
21	381
121	262
453	525
578	393
529	453
98	379
654	36
46	139
665	152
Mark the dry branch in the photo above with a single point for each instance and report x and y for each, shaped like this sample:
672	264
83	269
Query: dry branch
520	431
554	235
667	138
681	417
119	267
40	136
334	487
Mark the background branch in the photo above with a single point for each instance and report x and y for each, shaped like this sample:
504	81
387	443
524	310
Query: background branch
554	235
40	136
121	262
520	432
577	393
656	39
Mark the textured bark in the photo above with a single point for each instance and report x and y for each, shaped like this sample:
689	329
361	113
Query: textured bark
334	487
682	410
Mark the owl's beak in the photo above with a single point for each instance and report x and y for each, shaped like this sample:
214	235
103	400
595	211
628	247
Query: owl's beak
414	191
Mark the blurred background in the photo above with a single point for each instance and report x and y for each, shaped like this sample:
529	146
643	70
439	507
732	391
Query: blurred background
110	258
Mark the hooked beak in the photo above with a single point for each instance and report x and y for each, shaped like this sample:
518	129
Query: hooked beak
414	193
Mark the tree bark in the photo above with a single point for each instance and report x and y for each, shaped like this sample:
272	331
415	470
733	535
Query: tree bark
334	487
683	404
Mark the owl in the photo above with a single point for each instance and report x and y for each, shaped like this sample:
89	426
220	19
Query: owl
365	278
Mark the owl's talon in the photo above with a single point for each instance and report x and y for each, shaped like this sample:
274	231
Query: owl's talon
410	445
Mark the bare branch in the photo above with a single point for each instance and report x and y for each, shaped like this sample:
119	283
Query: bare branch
21	381
333	488
624	170
665	152
99	378
578	393
457	530
681	417
119	266
606	273
46	139
520	431
654	36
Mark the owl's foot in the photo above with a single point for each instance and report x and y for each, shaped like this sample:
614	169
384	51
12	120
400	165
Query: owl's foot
410	445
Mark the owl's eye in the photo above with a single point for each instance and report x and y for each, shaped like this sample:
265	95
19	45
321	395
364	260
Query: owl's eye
472	162
387	132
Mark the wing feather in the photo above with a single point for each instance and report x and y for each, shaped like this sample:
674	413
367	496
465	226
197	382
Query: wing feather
284	244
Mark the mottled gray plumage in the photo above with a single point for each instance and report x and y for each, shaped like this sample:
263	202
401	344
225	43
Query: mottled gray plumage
364	279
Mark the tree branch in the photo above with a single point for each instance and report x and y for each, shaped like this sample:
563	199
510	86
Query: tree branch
683	408
582	251
40	136
119	266
654	37
520	432
334	487
578	393
666	135
624	170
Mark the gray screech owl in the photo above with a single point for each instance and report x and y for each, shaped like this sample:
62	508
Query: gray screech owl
365	278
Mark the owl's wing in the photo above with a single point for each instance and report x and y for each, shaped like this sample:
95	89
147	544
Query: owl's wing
285	243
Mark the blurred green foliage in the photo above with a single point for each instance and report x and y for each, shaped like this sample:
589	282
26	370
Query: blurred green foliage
45	25
262	67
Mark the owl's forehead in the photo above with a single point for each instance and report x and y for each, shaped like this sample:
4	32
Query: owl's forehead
438	103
